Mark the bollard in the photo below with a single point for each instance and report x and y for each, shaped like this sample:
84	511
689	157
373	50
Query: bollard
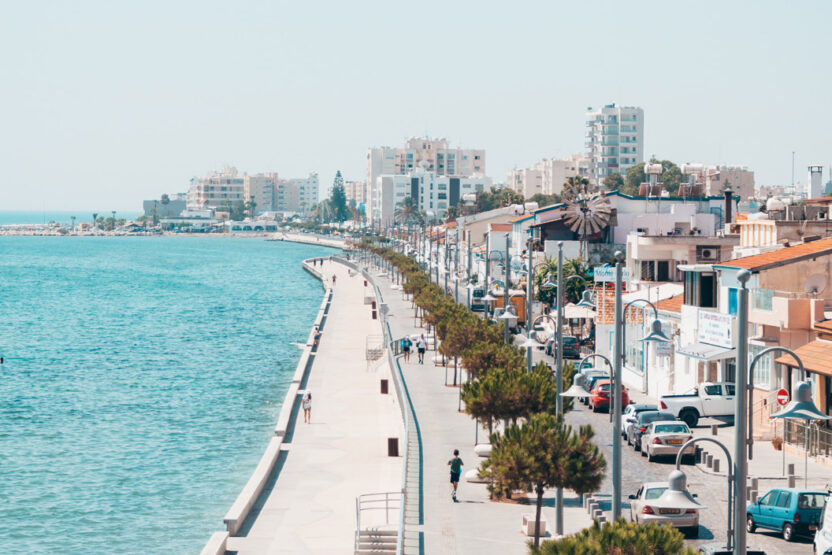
755	484
716	465
791	469
592	508
754	496
384	387
392	447
709	460
697	454
748	491
597	513
587	500
714	429
602	519
791	480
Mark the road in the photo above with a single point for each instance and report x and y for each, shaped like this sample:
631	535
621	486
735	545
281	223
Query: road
712	490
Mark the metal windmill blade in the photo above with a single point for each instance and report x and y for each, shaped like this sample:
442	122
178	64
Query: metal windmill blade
589	216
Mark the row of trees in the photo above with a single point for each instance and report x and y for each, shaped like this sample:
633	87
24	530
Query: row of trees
537	449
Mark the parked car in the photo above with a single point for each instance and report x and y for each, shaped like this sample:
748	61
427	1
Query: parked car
512	322
715	400
641	512
823	537
666	437
591	376
643	420
571	347
477	304
630	413
718	548
601	395
792	512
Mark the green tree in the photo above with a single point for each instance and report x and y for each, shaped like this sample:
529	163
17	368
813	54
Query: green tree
614	182
497	198
250	207
574	288
576	186
407	212
544	200
238	211
452	213
338	200
621	538
165	199
535	456
671	177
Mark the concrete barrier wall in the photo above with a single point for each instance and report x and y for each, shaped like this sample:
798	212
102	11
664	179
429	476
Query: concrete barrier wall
237	514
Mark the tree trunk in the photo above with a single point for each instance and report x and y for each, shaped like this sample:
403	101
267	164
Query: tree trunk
454	371
537	517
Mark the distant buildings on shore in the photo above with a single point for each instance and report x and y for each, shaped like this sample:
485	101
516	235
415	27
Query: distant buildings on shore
394	173
547	176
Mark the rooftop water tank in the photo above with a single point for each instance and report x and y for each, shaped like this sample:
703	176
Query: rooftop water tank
775	204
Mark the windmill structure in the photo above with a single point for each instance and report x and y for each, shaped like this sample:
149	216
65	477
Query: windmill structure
587	215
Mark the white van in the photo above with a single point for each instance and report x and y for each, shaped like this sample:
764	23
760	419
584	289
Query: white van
823	537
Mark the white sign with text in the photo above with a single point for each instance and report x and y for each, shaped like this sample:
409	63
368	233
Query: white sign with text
716	328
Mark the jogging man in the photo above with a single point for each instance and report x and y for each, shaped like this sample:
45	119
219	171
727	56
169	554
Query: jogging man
456	467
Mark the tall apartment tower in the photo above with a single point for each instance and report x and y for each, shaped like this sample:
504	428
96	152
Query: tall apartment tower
614	140
419	153
815	185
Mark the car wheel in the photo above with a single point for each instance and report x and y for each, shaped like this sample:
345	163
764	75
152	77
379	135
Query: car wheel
636	445
643	454
650	457
594	407
628	440
689	417
749	524
788	532
693	532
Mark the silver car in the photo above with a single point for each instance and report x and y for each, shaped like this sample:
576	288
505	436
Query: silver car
641	512
666	437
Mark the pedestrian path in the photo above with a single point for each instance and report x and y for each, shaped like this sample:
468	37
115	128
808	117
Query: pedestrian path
474	524
311	507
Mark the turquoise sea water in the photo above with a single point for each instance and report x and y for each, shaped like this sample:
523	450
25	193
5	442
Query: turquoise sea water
142	381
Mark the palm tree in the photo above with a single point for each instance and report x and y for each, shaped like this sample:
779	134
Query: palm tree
574	187
407	211
94	218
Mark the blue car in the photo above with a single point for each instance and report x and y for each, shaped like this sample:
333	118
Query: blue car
792	512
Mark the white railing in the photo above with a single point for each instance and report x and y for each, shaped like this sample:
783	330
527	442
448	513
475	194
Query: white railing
385	501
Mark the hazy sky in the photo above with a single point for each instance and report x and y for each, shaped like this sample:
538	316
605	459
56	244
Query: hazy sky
105	103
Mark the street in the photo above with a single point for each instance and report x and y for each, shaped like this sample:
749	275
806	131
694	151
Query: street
712	490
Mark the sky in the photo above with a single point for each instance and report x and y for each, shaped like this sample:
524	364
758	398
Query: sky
104	104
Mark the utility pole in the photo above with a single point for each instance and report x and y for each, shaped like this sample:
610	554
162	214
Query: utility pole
469	270
616	395
487	269
507	267
559	380
529	300
740	423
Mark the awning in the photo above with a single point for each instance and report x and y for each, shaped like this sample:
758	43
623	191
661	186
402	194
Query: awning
708	353
816	356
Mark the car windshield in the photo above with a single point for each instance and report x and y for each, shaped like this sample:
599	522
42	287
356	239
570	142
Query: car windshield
672	429
604	387
811	501
569	341
654	493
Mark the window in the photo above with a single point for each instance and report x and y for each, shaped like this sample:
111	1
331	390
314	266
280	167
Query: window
768	499
730	389
654	493
713	390
700	289
784	500
732	301
762	369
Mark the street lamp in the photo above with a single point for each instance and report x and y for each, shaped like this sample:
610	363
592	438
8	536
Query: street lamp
656	334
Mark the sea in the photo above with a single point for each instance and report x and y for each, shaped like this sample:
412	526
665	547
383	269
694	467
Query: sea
58	216
142	380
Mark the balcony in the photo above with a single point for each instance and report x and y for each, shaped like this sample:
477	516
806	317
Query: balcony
783	309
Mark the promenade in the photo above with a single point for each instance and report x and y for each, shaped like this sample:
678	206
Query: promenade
309	504
475	524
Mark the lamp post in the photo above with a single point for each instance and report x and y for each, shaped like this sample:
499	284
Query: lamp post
616	437
740	463
469	270
656	334
729	532
507	270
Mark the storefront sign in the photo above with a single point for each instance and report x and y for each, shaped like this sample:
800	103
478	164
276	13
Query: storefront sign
607	273
716	328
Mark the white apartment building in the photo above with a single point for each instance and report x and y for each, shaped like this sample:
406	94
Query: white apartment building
547	176
713	180
434	155
356	191
433	194
261	189
216	190
614	140
298	194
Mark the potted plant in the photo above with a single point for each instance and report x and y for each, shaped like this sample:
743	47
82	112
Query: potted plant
777	442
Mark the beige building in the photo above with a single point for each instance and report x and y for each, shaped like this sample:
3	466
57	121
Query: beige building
297	194
431	155
260	188
217	190
356	191
547	176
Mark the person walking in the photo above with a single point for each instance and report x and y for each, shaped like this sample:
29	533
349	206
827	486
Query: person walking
456	467
421	346
406	344
333	280
307	407
317	336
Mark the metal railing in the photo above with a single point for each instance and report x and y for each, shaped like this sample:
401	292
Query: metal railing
384	501
818	441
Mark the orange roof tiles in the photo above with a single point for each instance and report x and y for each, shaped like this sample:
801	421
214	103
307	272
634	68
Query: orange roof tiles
825	325
673	304
451	225
816	357
501	227
782	256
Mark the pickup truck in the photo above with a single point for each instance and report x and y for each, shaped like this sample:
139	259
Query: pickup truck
714	400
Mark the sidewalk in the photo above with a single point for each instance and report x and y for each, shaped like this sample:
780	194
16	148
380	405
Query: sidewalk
342	453
475	524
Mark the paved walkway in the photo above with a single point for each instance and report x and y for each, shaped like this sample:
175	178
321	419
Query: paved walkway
475	524
343	452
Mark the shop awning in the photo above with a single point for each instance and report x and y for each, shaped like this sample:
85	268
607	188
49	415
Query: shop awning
703	351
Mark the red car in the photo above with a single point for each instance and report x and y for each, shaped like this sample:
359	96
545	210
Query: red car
601	396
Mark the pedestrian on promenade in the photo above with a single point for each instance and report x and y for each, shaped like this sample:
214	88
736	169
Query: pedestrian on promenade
307	407
406	344
333	280
317	335
421	346
456	467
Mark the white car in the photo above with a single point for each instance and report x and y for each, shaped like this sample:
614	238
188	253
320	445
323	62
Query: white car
666	437
641	512
823	537
628	417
